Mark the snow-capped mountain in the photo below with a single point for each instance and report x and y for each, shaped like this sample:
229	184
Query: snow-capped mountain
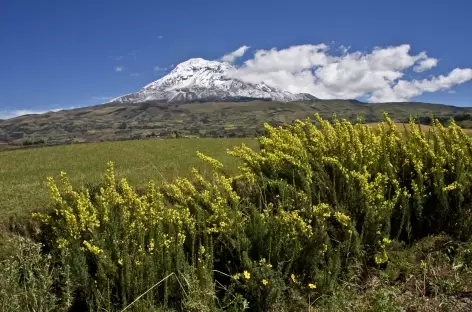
201	80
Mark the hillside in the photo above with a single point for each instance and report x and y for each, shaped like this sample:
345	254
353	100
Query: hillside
116	121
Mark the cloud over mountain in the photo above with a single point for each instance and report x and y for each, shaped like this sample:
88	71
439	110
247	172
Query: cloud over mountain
377	76
231	57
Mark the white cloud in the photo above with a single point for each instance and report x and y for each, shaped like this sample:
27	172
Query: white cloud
375	75
231	57
160	37
101	98
157	68
21	112
344	49
134	74
404	90
451	92
426	64
119	69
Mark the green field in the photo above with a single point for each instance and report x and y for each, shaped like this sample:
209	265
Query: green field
23	172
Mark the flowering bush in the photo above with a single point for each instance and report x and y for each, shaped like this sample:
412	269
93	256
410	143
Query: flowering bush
318	201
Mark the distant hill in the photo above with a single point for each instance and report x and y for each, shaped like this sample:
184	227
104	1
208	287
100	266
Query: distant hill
119	121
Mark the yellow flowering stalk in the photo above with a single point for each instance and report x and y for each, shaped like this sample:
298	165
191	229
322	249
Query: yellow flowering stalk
342	218
93	249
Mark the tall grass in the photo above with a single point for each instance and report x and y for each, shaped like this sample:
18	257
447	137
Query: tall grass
318	204
27	278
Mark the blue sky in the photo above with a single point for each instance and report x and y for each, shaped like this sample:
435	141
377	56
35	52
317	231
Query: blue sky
59	54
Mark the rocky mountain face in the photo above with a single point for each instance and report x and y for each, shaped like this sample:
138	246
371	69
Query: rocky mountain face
201	80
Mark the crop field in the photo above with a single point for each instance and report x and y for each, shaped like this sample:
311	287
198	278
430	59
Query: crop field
23	172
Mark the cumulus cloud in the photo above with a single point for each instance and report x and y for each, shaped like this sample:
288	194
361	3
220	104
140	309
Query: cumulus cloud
426	64
344	49
231	57
375	75
119	69
403	90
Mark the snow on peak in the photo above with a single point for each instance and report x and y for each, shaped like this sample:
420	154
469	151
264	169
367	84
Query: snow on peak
197	63
200	79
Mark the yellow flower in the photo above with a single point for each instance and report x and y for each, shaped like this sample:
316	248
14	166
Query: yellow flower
423	264
294	279
269	265
93	249
450	187
236	276
61	243
247	275
342	218
312	286
265	282
381	257
325	247
120	261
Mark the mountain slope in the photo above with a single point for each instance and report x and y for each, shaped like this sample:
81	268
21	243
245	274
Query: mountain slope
201	80
115	121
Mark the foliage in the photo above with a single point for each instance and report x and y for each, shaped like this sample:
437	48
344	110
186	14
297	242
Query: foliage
319	204
27	278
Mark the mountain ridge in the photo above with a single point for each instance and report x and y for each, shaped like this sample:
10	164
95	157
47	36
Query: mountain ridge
120	121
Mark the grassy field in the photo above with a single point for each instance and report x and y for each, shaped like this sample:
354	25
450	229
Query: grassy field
23	172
